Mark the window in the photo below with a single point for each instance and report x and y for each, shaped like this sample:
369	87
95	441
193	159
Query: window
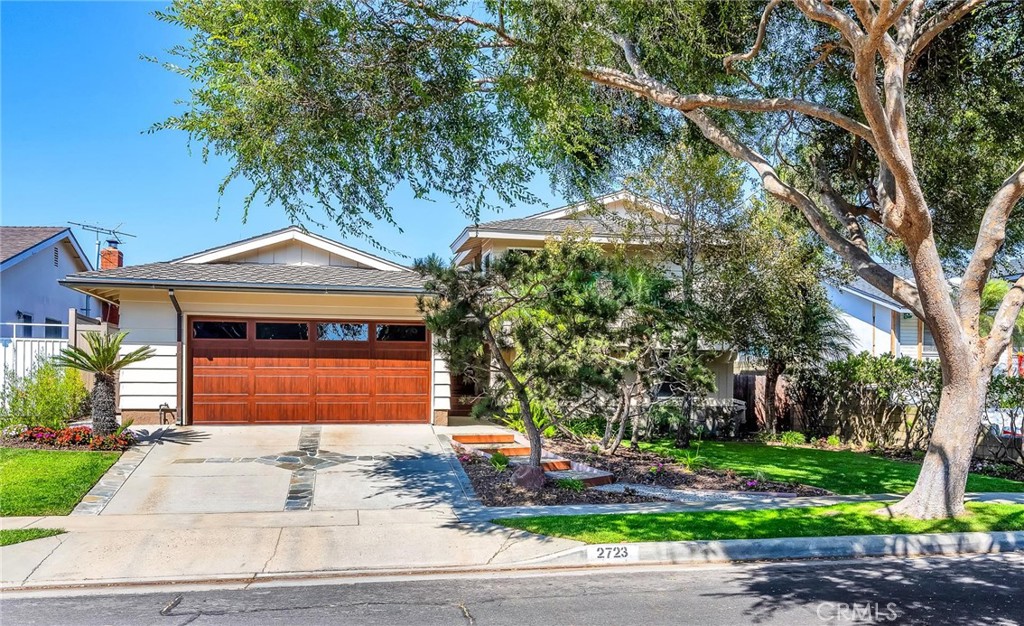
219	330
401	332
26	331
53	329
342	331
294	331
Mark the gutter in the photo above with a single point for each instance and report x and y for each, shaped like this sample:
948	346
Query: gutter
142	283
177	360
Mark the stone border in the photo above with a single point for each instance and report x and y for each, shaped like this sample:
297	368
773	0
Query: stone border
854	546
101	493
468	493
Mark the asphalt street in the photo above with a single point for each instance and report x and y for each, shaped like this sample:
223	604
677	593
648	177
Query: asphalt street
946	590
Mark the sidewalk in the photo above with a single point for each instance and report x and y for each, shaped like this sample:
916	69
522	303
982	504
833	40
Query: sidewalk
247	547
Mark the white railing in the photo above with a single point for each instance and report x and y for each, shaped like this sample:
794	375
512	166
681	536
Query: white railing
20	354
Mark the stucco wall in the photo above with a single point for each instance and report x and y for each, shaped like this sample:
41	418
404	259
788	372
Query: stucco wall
870	323
31	287
150	319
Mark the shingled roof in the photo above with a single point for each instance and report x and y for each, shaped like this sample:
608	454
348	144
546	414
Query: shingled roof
556	226
16	239
252	276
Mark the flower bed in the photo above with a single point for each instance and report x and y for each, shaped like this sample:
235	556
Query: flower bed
72	438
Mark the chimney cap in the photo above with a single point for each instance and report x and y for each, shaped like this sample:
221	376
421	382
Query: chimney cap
113	243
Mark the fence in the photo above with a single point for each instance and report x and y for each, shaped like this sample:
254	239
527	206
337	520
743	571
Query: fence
20	354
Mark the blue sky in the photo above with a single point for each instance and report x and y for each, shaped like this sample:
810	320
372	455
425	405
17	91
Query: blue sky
74	104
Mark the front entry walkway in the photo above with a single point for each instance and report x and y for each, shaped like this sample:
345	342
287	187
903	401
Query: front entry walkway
249	469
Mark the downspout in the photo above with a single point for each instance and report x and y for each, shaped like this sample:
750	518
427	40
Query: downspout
177	359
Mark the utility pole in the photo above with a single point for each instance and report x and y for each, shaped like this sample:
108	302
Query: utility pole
114	235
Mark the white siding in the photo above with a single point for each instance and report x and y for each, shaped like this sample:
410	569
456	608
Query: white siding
293	253
908	336
442	383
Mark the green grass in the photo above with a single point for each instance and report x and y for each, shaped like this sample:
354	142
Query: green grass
17	535
840	472
48	482
825	521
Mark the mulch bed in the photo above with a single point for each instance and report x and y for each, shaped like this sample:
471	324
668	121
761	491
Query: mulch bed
629	466
496	489
35	445
647	468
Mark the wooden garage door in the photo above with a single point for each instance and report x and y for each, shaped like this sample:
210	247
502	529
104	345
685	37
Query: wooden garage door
317	371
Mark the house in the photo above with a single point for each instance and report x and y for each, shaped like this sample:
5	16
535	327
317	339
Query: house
879	324
478	243
286	327
33	304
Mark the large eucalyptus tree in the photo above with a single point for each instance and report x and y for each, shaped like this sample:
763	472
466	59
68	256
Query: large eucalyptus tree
887	124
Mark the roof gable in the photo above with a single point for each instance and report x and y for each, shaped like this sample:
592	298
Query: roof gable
18	243
620	202
292	246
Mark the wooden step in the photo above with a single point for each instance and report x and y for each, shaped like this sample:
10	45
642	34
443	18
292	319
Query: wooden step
547	464
508	450
590	479
496	438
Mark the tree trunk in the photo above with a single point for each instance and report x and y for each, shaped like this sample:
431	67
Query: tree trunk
104	419
685	419
771	381
532	434
939	491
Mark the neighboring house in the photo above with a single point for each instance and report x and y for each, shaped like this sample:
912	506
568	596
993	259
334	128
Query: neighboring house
481	242
33	304
286	327
879	324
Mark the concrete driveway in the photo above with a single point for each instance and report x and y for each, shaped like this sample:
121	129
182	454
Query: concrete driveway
249	469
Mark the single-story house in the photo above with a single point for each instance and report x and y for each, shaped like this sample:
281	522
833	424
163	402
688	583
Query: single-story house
286	327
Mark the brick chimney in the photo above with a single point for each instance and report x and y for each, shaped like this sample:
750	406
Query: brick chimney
110	258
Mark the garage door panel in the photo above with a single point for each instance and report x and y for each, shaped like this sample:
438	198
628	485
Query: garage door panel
360	384
359	411
332	378
222	384
280	362
400	411
401	385
282	412
282	384
221	412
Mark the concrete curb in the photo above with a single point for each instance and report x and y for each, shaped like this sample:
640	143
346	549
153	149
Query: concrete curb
452	457
734	550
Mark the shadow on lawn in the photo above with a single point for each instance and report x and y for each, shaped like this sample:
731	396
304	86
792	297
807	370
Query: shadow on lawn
941	590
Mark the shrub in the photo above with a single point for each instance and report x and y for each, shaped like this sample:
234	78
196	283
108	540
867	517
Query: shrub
77	436
833	441
47	396
514	420
793	438
571	484
499	461
692	460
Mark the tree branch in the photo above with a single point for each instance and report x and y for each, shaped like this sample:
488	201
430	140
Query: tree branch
761	28
936	24
991	236
666	96
1002	325
892	285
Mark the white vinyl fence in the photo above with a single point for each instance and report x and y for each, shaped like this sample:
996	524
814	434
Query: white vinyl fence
20	354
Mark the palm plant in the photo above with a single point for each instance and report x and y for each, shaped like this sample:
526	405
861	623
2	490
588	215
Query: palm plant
104	361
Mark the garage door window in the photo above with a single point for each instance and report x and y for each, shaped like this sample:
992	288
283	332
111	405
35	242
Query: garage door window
218	330
282	330
339	331
401	332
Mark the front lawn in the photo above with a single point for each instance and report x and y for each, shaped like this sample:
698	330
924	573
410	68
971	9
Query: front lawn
842	472
824	521
17	535
48	482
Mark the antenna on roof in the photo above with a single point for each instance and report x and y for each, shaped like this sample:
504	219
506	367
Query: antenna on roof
114	235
